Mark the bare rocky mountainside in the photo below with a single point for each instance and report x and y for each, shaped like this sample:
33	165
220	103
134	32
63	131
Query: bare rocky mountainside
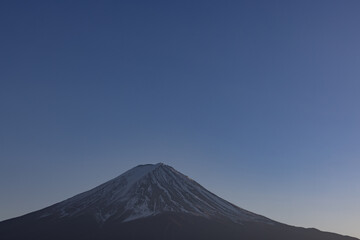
151	202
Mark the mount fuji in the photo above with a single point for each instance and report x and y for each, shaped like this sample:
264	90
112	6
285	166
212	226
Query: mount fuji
152	201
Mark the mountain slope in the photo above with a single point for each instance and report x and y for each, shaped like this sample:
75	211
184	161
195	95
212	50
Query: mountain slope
150	202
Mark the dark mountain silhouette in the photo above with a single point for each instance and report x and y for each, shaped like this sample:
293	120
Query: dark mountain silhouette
151	202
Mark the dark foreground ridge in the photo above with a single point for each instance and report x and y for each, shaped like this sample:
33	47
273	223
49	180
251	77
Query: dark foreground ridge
151	202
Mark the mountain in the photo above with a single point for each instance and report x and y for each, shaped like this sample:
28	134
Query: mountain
151	202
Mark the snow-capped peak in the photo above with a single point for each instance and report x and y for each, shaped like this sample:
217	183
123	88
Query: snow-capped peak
148	190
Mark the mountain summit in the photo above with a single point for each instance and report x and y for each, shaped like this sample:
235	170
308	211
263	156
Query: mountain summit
149	190
152	201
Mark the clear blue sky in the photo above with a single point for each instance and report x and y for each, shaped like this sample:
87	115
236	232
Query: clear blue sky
256	100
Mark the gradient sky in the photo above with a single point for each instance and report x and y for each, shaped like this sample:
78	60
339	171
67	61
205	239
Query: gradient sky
258	101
